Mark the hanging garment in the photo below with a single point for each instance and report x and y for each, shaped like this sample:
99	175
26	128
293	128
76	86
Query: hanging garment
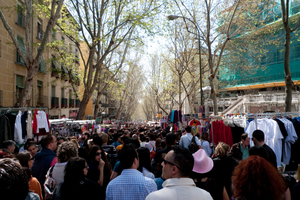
40	121
11	120
18	129
289	140
295	149
176	117
273	135
5	129
29	125
172	116
23	124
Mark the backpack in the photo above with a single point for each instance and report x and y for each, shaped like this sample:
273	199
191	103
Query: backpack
49	185
152	152
193	147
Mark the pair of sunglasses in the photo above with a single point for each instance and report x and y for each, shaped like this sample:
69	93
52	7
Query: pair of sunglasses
168	162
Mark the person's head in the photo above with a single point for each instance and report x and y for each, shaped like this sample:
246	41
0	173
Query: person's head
135	142
221	149
9	145
152	136
111	131
26	161
75	142
170	139
49	141
104	137
256	178
142	137
134	136
13	180
31	147
97	140
86	135
117	137
128	157
60	139
158	143
259	151
95	154
258	137
66	151
204	136
188	129
144	158
75	170
245	139
178	162
125	139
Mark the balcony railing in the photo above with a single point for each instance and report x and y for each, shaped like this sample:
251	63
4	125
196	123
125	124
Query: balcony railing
41	100
54	102
71	103
64	102
77	103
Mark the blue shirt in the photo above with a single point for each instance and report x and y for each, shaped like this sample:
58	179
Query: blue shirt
131	184
159	181
186	139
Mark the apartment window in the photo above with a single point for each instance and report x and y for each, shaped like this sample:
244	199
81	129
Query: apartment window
40	32
22	46
19	88
43	66
52	91
211	109
39	93
70	94
20	13
62	93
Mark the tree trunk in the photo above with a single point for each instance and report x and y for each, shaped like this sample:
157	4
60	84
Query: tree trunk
213	95
27	92
97	104
288	77
179	82
85	100
119	110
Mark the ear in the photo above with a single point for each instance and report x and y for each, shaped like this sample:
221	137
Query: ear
175	170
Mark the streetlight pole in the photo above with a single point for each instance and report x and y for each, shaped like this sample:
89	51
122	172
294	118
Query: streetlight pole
173	17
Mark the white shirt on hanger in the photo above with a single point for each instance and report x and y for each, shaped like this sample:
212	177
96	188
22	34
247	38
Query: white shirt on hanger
273	135
42	121
18	129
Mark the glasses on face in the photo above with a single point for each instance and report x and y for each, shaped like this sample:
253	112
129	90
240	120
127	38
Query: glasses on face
97	154
168	162
32	158
86	167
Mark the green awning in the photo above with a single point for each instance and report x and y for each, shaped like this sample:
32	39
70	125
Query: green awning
55	64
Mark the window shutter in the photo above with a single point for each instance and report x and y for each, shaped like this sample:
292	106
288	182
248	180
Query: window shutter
43	66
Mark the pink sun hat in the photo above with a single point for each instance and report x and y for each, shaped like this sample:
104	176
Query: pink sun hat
202	163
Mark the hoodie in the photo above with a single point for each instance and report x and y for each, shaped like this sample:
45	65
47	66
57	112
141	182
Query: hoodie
42	163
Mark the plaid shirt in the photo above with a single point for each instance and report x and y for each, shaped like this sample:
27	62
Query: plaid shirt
131	184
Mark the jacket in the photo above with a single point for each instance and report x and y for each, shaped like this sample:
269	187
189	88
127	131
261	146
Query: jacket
236	153
41	164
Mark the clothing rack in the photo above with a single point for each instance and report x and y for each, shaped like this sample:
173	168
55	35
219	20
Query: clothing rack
45	108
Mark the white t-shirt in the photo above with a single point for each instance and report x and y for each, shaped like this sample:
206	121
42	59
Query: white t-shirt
273	135
58	172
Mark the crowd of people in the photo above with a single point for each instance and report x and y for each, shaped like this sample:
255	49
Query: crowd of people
140	163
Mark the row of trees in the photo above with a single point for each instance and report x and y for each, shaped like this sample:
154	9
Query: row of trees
228	31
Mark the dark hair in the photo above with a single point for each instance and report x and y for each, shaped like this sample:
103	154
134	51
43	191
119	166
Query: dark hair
259	151
127	155
7	144
46	140
258	135
13	180
73	175
144	159
188	129
142	137
87	134
152	136
23	158
170	139
125	139
135	142
256	178
66	150
97	140
116	136
204	136
184	159
244	136
61	138
29	144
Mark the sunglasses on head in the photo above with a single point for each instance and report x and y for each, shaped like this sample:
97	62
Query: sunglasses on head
168	162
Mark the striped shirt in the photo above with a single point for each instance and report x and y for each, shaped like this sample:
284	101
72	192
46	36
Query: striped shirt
131	184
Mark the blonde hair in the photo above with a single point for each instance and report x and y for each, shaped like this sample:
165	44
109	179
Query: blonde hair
221	149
